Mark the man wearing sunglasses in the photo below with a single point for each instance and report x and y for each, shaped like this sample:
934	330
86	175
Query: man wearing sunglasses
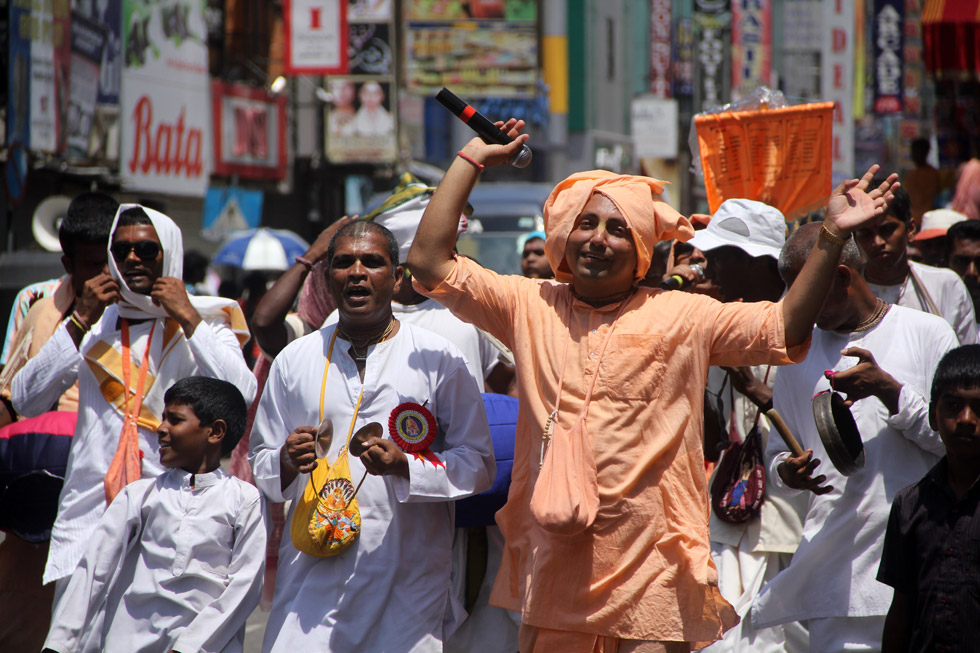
133	327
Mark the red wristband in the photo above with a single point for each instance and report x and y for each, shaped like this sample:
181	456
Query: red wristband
466	157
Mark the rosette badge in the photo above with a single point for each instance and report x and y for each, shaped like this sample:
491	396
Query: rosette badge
413	428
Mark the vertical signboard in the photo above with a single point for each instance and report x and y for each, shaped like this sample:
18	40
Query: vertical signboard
47	26
712	45
751	45
837	82
316	36
887	45
19	76
660	48
165	134
88	40
802	43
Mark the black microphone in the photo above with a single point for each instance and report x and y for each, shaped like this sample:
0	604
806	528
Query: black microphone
676	281
485	129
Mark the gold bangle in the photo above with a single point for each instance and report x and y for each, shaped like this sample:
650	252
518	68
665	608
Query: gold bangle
830	236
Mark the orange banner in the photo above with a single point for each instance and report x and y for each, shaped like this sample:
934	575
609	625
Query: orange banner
778	156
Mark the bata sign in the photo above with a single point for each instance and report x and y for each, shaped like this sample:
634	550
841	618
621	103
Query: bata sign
164	148
165	135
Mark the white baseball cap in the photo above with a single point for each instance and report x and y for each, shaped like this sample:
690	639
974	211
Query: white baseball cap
755	228
936	223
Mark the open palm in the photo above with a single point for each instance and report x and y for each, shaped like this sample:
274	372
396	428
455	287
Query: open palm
852	204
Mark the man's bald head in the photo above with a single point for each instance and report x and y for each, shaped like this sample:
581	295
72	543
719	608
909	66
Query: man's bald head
799	245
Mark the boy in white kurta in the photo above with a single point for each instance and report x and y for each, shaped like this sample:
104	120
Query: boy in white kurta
176	562
390	590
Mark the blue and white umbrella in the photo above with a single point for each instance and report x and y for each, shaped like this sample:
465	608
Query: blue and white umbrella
261	249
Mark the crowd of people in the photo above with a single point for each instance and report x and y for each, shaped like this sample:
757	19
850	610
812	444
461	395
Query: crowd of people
666	483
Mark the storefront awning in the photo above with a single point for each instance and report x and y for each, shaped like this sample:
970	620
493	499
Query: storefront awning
951	35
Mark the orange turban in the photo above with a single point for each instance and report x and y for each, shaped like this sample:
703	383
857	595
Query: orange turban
637	198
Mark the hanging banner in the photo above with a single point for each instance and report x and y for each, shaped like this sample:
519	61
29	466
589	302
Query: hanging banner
249	132
713	43
777	156
660	48
316	36
802	44
165	144
837	82
888	43
88	40
103	136
751	46
684	58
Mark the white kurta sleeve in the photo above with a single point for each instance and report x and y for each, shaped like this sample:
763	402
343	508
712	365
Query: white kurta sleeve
224	617
467	452
217	352
41	382
116	535
912	421
963	318
269	432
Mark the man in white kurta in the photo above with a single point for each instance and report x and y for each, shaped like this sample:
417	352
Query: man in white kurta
391	589
173	566
831	580
212	350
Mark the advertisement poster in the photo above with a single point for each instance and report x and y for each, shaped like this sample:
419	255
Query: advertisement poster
837	82
316	36
88	40
369	49
368	10
751	46
684	58
166	130
249	132
887	48
660	53
360	124
779	156
230	209
479	49
49	27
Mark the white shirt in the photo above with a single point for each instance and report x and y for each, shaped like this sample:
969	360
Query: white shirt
390	590
833	571
947	291
171	565
212	351
480	354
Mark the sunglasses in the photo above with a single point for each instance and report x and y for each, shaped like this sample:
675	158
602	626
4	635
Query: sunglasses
146	250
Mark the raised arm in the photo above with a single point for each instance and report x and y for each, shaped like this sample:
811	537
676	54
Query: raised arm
431	257
268	321
850	206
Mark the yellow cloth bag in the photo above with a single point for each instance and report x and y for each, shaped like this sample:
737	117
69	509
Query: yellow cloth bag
326	522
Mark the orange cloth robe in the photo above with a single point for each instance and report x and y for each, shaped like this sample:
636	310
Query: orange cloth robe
643	570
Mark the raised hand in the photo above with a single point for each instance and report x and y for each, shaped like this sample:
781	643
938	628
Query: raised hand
318	250
851	204
498	155
171	294
97	293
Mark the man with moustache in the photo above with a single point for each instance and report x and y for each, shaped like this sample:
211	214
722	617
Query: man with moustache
390	589
133	327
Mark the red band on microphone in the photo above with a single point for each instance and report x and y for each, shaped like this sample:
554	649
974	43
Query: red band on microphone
468	113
